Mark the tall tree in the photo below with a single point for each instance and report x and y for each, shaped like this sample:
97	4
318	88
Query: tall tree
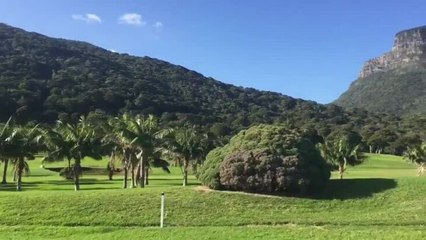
121	150
5	131
156	161
142	135
22	144
79	141
417	155
187	146
340	153
58	148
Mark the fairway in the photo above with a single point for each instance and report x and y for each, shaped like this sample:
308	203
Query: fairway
379	199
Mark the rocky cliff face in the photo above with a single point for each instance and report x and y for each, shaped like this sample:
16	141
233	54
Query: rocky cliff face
395	82
409	49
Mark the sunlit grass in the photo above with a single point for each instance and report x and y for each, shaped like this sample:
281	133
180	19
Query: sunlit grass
375	200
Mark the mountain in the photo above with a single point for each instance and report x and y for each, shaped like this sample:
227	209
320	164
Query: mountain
394	82
43	78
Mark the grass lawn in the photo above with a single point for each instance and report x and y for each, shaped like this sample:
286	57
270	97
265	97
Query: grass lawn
380	199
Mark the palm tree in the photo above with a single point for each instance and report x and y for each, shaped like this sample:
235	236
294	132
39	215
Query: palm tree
339	153
123	151
78	141
142	136
4	177
187	147
156	161
417	155
58	148
5	131
117	146
21	145
121	155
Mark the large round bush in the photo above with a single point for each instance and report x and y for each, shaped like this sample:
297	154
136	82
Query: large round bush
266	158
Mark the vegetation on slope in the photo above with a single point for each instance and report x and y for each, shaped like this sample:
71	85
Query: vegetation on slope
43	79
398	91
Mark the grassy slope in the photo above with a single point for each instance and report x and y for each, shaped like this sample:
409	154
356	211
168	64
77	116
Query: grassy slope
380	199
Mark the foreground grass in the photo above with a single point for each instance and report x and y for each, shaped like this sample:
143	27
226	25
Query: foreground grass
381	199
250	232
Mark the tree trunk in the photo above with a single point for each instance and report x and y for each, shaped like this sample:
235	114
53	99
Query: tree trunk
110	171
421	169
147	176
14	177
133	177
125	177
185	177
142	172
6	163
371	148
341	171
19	173
77	169
137	174
185	173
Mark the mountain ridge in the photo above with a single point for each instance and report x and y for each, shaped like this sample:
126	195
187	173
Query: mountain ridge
44	79
59	69
394	82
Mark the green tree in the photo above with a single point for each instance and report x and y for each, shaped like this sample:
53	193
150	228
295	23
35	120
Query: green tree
21	146
156	161
143	135
417	155
58	148
339	153
79	140
6	130
186	146
119	147
381	139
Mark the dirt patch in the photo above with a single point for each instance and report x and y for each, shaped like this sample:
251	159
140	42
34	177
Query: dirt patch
204	189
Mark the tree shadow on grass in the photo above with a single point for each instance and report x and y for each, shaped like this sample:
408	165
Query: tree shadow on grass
83	181
42	175
11	187
175	181
354	188
171	183
36	185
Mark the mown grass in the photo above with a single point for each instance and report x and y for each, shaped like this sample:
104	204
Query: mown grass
249	232
380	199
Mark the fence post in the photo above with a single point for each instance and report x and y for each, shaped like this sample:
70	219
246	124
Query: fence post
162	211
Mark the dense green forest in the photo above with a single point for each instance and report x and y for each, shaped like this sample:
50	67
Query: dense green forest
43	79
398	91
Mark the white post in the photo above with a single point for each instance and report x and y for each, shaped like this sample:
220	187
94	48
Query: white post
162	211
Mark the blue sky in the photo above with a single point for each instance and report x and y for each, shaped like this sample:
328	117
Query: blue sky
306	49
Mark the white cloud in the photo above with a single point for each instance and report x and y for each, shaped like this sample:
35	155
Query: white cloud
131	19
88	18
158	25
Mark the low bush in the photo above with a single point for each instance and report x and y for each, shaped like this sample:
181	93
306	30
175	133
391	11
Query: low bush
266	158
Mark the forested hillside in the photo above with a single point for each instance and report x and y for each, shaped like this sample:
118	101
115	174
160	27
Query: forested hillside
43	79
402	92
394	82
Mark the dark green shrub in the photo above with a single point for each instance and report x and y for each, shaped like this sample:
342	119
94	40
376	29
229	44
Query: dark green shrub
266	158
